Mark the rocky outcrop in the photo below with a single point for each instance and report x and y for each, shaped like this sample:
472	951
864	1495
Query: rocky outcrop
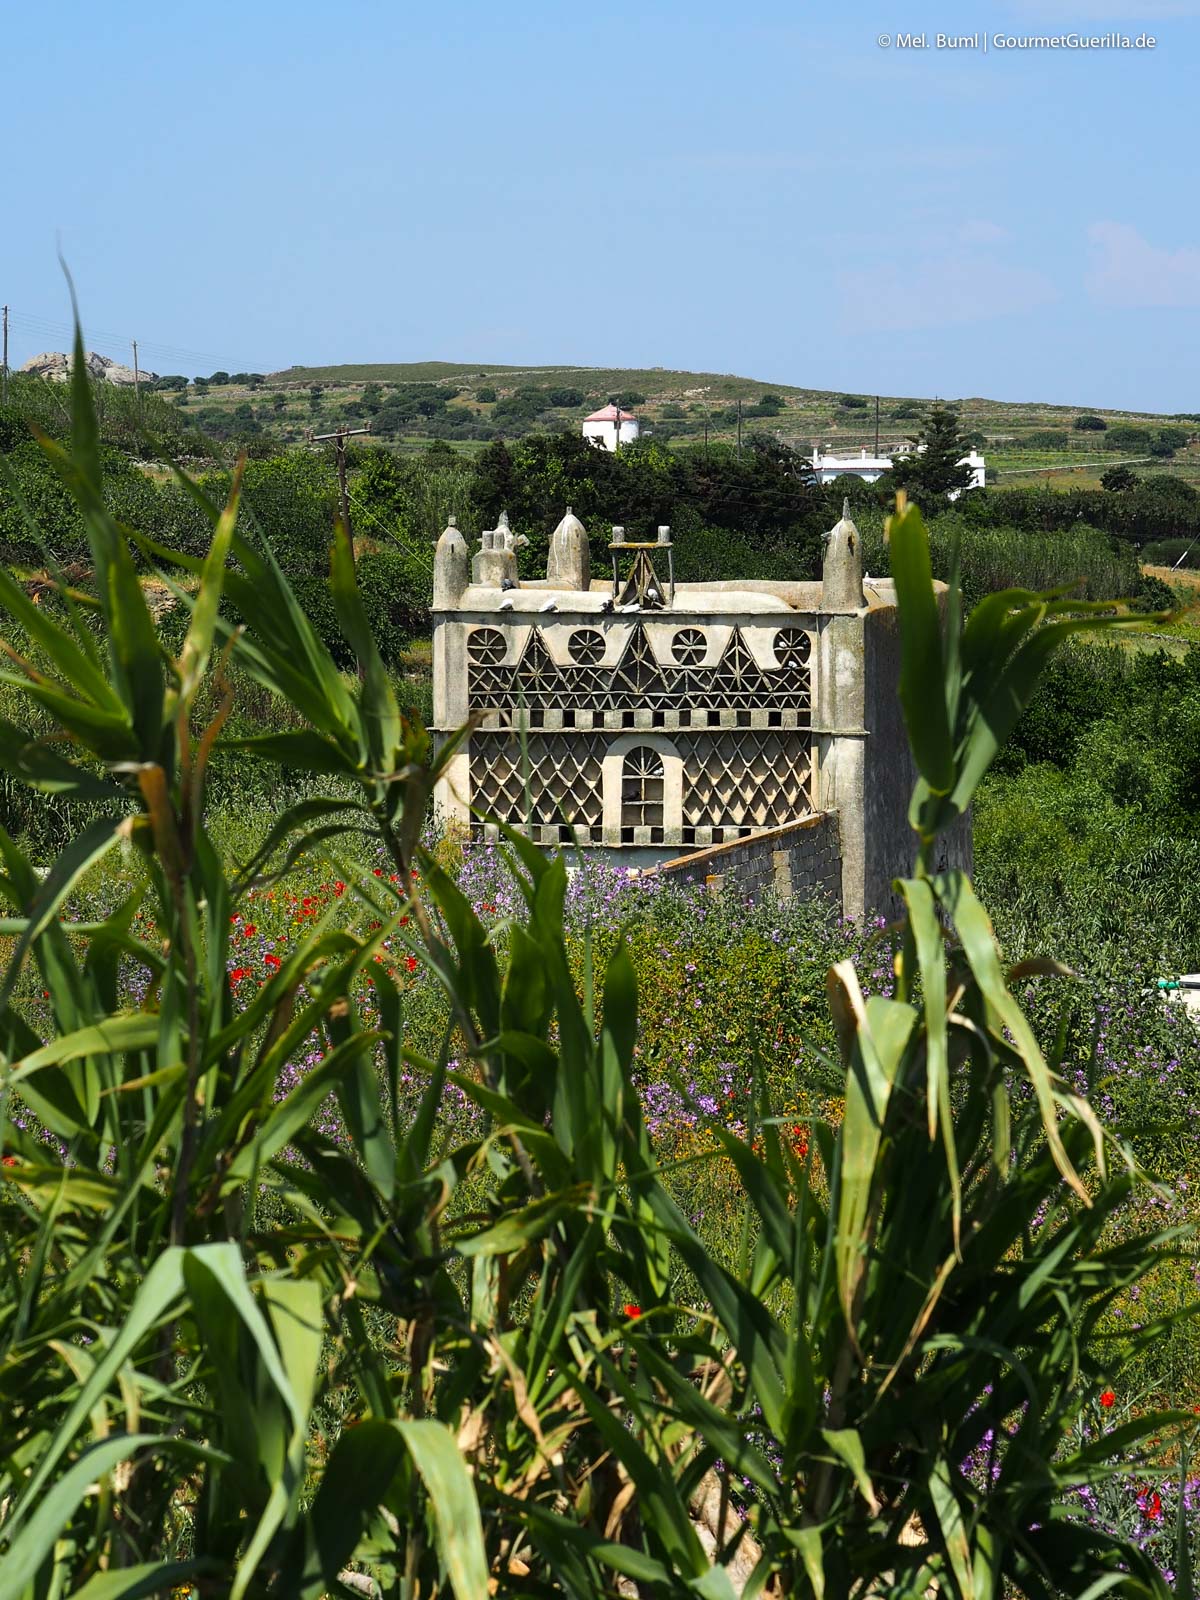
56	365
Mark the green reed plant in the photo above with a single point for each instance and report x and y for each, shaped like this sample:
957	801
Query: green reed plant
242	1356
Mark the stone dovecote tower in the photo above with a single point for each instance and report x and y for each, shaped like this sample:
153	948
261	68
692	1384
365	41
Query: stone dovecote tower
746	733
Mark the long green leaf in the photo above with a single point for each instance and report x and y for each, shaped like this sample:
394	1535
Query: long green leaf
922	686
458	1527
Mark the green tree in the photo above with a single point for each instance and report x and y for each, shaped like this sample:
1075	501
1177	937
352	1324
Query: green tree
1089	423
935	470
1118	479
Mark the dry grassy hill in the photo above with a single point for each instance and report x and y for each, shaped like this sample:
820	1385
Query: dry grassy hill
472	402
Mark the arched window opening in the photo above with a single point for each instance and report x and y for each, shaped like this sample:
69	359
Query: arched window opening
642	781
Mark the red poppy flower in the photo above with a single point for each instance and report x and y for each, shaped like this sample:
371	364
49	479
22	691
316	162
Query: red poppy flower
249	929
379	872
272	962
1154	1506
238	974
411	963
632	1309
1107	1399
339	887
10	1161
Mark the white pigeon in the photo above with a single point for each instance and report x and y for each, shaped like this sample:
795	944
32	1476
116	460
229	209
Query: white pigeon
548	605
632	606
505	605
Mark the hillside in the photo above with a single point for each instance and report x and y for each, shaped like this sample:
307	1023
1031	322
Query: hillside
472	402
407	406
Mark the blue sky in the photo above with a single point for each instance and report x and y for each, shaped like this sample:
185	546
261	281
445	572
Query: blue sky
754	189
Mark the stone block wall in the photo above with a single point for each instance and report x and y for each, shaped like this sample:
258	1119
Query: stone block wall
801	858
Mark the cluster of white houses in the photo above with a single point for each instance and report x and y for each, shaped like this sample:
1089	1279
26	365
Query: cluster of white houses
610	428
827	466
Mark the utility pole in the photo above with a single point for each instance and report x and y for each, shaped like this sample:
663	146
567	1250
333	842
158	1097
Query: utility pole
339	445
877	427
739	425
137	380
4	380
706	430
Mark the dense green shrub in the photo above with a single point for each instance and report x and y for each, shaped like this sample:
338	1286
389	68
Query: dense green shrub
1139	514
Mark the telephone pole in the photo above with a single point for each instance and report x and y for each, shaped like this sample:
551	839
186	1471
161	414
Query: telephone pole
4	379
137	380
739	449
339	445
877	427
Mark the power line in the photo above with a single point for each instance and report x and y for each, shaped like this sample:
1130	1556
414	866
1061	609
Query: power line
106	341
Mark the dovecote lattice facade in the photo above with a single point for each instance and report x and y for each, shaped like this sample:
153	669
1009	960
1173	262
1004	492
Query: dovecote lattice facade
665	720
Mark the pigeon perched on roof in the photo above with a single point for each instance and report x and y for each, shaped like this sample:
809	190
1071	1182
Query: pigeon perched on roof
507	583
632	606
548	605
505	605
607	607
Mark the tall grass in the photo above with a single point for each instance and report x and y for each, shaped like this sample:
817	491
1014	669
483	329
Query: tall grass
1088	561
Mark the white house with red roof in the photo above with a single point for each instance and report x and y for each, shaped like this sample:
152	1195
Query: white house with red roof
611	427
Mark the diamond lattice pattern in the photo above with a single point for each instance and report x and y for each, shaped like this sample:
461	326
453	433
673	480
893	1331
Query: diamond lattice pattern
745	779
563	779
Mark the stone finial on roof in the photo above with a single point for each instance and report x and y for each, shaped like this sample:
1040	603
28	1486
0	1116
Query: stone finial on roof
841	571
451	568
569	565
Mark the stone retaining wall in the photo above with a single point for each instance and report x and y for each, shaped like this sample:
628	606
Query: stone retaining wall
801	858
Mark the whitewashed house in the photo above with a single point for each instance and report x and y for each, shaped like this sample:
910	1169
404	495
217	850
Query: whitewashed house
611	427
868	467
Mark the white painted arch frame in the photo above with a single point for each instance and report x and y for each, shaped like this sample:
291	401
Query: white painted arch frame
610	781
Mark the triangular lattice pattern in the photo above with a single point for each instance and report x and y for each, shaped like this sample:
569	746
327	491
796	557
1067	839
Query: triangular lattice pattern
640	681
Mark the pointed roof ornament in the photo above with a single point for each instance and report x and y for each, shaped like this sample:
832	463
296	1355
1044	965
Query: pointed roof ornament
841	571
451	567
569	562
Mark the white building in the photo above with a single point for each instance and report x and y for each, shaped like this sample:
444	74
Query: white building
868	467
611	427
